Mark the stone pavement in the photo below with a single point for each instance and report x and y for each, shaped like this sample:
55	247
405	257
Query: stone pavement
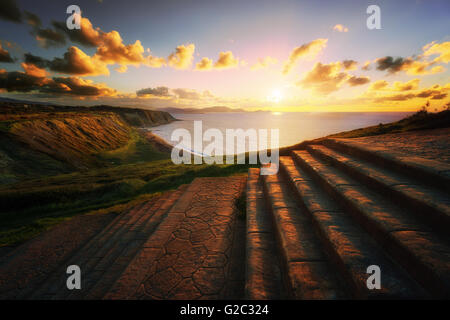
195	253
431	144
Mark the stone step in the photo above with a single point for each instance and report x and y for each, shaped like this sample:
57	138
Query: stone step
55	285
263	270
425	254
133	242
306	267
430	203
120	245
33	262
432	172
189	256
350	248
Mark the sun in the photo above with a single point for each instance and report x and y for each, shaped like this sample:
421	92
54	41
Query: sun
275	96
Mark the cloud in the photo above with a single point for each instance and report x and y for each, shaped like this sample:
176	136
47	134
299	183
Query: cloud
226	60
366	66
357	81
440	49
406	86
5	56
187	94
49	38
383	85
326	78
349	64
378	85
32	19
340	28
264	63
110	46
25	82
309	50
87	35
409	65
78	87
33	70
74	62
182	57
158	92
10	11
411	91
418	65
204	64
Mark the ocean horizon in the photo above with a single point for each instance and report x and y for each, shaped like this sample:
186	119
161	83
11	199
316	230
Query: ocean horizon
294	127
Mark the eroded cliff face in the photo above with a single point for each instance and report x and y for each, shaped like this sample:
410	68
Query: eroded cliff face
40	139
73	138
139	117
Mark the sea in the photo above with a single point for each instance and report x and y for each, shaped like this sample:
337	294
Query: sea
293	127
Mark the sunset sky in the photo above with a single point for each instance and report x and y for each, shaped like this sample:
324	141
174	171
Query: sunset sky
253	54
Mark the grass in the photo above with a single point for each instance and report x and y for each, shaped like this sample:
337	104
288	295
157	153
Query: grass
35	205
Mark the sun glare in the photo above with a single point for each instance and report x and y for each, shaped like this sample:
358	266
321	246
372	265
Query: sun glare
276	96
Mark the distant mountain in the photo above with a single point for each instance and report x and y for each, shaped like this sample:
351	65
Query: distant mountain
217	109
9	100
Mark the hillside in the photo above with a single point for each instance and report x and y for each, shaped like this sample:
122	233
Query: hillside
40	140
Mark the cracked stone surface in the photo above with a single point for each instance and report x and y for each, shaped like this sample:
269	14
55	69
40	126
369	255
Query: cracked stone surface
196	252
430	144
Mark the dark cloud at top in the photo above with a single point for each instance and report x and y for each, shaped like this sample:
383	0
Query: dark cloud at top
49	37
81	36
391	64
10	11
37	61
74	62
159	91
32	19
22	82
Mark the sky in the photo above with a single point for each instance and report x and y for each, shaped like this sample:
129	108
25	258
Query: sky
257	55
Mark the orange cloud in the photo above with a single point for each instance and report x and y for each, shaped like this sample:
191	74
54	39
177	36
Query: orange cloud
226	60
396	86
326	78
340	28
76	62
308	50
15	81
110	46
5	56
435	92
33	70
418	65
378	85
182	57
440	49
204	64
